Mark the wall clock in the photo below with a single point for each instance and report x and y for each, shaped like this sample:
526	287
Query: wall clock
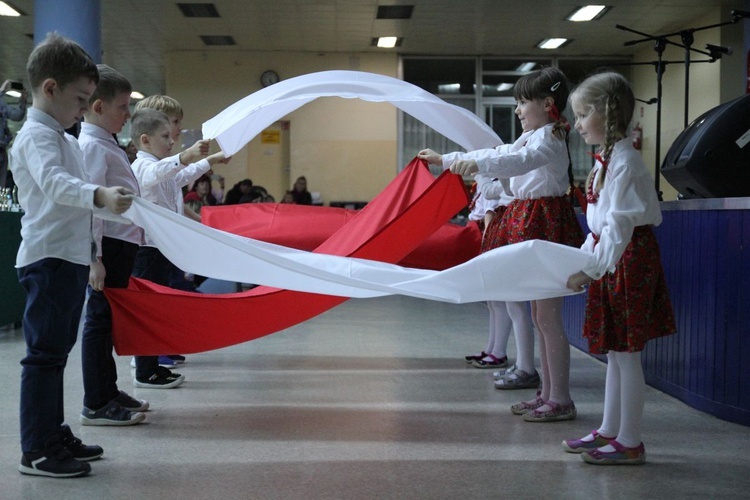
269	78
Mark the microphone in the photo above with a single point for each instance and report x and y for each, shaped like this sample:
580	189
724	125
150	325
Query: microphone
717	50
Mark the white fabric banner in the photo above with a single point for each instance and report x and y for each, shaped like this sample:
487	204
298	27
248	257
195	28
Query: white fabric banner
239	123
524	271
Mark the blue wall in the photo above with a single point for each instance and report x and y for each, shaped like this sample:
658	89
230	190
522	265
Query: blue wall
707	363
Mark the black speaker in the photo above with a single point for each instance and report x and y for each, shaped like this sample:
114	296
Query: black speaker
711	158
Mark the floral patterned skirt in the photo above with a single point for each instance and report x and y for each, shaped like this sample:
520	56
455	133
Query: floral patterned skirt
627	308
490	233
550	218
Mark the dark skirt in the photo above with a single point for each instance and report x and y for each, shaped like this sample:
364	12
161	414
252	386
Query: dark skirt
627	308
551	218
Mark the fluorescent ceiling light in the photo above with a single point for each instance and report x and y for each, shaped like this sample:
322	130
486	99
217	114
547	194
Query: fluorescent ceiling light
449	88
552	43
7	10
587	13
525	67
504	87
136	95
387	42
13	93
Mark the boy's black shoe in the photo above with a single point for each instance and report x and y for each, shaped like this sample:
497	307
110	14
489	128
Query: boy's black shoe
162	379
54	461
76	447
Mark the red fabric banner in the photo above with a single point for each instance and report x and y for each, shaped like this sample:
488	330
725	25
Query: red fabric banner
149	319
306	227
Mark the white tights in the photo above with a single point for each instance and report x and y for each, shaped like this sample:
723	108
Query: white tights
523	331
624	398
500	327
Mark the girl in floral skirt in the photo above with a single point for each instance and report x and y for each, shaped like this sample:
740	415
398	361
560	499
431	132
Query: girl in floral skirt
628	301
536	171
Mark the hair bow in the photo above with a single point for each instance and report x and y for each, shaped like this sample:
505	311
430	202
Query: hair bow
554	113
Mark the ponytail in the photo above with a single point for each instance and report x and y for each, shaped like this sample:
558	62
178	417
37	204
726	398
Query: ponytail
561	128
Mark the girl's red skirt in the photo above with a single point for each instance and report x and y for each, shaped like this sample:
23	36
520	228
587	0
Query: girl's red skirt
489	234
550	218
630	306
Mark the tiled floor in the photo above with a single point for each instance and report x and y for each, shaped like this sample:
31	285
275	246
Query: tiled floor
370	400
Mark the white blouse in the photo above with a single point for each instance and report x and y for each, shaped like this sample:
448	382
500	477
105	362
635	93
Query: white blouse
482	205
536	164
627	199
492	189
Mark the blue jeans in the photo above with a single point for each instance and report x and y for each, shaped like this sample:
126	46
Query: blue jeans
99	368
55	291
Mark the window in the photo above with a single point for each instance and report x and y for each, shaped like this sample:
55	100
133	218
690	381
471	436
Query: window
484	85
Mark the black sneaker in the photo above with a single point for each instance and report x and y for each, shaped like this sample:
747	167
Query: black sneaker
130	403
80	451
111	414
162	379
54	461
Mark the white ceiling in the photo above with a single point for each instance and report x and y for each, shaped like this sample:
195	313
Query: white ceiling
137	33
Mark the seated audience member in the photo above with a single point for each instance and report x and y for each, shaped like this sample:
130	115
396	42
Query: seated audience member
258	194
200	195
234	195
218	190
300	193
288	197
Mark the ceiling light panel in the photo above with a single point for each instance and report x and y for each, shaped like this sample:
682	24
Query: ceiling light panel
9	10
552	43
588	13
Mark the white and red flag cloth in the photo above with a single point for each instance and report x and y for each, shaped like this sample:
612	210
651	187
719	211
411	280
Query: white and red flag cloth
357	260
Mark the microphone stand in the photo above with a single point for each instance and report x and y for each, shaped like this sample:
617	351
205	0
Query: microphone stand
687	41
660	44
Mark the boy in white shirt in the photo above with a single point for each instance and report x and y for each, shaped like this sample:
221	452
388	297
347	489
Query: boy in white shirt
156	171
107	164
56	249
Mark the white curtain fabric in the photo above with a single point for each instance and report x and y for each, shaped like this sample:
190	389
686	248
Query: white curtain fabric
239	123
525	271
